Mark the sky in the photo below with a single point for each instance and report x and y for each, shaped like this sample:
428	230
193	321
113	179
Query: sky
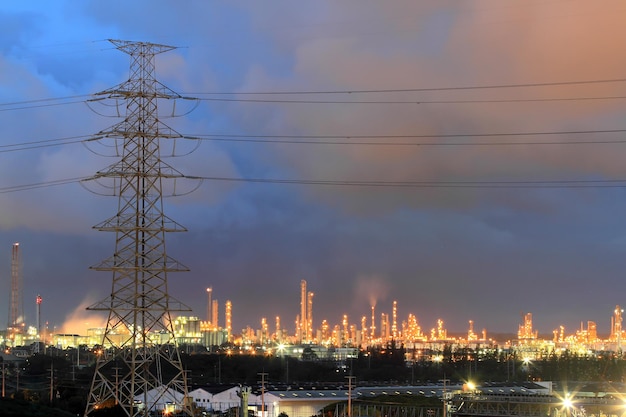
493	130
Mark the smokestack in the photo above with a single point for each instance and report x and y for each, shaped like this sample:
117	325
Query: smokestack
373	322
39	300
209	307
16	307
303	316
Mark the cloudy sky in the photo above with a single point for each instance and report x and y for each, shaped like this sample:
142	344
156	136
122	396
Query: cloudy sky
487	138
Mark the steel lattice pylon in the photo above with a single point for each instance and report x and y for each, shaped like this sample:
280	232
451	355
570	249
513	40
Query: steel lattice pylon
140	364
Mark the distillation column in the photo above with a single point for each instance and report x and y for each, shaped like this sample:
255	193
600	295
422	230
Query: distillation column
16	305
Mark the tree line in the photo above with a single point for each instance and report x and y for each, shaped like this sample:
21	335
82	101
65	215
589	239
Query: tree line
53	378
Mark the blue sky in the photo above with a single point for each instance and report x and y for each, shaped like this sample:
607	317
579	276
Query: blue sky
455	253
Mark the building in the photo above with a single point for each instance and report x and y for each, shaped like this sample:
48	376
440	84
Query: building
166	401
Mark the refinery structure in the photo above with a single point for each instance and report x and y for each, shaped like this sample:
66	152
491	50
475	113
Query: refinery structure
373	330
377	328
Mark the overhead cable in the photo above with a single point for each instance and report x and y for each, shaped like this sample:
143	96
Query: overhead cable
44	143
315	139
352	140
22	104
538	184
477	101
429	184
423	89
43	184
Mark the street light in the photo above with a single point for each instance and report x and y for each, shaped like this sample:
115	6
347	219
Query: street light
567	404
526	362
444	397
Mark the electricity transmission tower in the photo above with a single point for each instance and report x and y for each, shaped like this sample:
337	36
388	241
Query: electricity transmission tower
140	364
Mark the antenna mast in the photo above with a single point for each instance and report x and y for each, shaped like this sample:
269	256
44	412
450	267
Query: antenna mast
140	367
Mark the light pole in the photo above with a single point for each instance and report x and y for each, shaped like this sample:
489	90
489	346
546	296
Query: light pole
350	379
567	405
263	375
527	363
444	399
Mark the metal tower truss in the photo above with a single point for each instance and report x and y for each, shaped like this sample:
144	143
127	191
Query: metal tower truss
139	369
16	305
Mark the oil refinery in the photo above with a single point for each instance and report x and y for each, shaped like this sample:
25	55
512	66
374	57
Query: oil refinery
370	331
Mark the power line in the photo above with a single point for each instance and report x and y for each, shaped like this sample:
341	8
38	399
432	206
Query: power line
43	100
409	90
477	101
44	143
43	184
429	184
538	184
348	139
309	139
23	107
22	104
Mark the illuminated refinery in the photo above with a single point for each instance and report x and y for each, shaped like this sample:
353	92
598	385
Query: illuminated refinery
345	337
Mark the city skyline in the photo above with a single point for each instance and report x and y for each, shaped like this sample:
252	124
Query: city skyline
463	160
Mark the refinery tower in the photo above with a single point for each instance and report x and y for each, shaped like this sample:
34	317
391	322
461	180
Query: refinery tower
16	302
